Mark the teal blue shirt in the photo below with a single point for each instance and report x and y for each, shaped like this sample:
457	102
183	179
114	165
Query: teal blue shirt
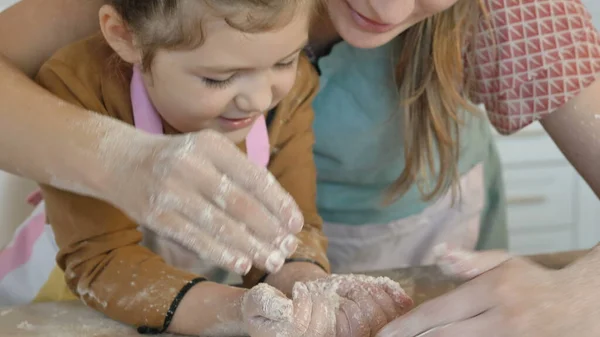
359	144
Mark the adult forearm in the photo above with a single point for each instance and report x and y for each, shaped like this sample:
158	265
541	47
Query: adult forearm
32	30
575	128
41	137
589	263
47	140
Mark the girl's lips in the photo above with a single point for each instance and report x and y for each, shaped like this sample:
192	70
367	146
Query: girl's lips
368	24
235	123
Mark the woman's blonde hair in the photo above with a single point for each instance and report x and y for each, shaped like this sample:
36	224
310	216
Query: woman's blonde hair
430	73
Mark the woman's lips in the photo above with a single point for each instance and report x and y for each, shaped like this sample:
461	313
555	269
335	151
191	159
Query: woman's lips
369	24
236	123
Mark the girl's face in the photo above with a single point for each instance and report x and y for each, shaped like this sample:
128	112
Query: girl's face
372	23
230	80
227	82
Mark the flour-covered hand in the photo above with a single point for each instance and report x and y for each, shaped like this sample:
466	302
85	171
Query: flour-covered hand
267	312
365	304
202	192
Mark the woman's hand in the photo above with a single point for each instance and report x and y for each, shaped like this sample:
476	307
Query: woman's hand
508	296
201	191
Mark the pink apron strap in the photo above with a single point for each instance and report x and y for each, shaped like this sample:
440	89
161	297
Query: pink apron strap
257	143
35	198
145	116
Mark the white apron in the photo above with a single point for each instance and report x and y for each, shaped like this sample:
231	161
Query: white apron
410	241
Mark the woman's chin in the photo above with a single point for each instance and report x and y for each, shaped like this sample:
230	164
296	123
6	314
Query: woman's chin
366	40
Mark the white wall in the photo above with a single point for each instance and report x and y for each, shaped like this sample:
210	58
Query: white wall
594	8
6	3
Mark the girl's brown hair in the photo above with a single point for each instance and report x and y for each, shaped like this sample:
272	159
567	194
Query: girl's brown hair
175	24
430	73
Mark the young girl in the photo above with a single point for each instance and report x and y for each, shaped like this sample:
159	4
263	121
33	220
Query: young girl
178	67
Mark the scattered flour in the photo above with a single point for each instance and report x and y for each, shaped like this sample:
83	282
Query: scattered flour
5	312
86	292
60	313
25	326
226	329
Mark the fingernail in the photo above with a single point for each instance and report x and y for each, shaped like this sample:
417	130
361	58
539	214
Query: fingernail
296	222
274	262
242	266
289	245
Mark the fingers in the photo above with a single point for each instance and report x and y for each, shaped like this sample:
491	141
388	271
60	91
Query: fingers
245	208
322	323
179	229
372	313
469	300
357	325
403	302
366	303
234	234
342	324
466	264
385	302
267	312
256	180
302	308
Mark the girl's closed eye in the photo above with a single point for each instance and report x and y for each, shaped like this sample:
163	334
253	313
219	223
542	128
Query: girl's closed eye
287	64
218	83
224	83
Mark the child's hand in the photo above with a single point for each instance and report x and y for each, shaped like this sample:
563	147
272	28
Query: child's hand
466	264
365	304
268	313
295	272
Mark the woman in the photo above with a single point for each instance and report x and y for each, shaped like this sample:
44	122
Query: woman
369	136
413	11
530	60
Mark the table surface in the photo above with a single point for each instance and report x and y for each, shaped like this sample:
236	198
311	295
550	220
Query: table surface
73	319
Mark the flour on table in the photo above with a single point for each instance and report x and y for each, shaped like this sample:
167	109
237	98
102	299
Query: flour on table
25	326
